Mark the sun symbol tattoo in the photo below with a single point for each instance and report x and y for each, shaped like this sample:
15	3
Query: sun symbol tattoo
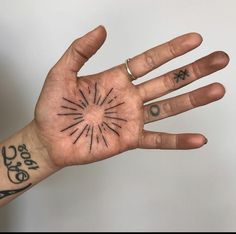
94	116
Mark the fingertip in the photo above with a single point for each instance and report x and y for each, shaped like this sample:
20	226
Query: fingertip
197	141
103	29
191	141
220	59
217	91
193	39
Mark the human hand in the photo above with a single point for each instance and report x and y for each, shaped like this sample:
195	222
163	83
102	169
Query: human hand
86	119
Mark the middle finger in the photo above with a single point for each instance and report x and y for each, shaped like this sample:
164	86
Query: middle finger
173	80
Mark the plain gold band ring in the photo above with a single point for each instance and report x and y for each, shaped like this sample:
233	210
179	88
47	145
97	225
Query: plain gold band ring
132	77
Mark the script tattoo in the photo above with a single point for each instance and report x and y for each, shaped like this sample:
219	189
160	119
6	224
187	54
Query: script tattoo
155	110
181	75
14	159
7	193
93	116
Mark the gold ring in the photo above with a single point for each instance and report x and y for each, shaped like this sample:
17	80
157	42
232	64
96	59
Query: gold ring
129	71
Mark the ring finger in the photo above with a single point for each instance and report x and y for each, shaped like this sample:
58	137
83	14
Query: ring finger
173	106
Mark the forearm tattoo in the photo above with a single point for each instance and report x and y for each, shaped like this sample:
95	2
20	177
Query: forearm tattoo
7	193
181	75
94	116
18	163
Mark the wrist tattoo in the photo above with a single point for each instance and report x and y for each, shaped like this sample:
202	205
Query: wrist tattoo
181	75
94	116
18	163
154	110
7	193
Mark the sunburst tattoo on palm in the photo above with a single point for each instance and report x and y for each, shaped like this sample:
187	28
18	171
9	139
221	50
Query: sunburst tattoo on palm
93	116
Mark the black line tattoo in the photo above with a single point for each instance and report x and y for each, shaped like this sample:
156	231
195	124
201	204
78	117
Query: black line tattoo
88	130
80	134
109	117
72	125
69	114
74	131
69	108
181	75
84	122
112	100
80	117
115	106
85	99
103	127
82	103
99	100
154	110
73	103
95	93
112	129
111	112
91	142
104	140
117	125
7	193
106	97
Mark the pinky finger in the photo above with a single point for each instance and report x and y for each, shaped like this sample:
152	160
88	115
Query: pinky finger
159	140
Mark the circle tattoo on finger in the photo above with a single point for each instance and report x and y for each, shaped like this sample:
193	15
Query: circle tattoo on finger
155	110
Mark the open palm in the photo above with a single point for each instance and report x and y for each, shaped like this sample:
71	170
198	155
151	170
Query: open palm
85	119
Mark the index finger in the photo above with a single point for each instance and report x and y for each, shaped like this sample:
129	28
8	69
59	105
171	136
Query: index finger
153	58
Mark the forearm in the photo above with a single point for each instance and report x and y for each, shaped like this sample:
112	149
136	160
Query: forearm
24	162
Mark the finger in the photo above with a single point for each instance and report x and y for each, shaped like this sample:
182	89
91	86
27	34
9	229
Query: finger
173	106
155	57
81	50
176	79
158	140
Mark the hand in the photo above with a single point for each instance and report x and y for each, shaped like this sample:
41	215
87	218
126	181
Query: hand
85	119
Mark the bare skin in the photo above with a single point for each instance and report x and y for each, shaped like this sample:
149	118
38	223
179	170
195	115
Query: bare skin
80	120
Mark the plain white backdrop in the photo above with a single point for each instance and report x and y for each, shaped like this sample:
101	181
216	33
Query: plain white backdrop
139	190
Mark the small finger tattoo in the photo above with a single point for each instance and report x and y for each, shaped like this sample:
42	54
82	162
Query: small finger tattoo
181	75
155	110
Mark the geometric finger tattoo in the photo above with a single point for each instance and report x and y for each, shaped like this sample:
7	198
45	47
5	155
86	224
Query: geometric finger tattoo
94	116
181	75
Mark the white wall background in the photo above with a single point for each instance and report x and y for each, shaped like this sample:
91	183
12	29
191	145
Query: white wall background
139	190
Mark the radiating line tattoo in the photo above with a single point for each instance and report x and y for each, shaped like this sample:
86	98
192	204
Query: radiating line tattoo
7	193
181	75
95	130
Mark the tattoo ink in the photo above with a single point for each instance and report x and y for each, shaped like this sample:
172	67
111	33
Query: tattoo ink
14	159
7	193
181	75
155	110
96	130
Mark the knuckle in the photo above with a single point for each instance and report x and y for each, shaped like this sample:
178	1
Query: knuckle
169	108
172	48
196	70
150	59
192	100
169	82
157	141
142	92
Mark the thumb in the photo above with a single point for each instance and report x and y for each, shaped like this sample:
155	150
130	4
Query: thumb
81	50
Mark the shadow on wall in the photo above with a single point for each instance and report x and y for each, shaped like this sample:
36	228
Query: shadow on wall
12	117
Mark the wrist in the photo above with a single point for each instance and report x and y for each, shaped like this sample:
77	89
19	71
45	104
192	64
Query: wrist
37	148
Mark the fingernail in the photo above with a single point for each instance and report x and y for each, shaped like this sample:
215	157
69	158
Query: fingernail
206	141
